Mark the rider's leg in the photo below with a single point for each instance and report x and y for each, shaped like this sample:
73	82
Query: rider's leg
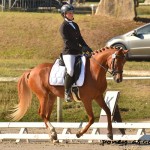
68	85
69	61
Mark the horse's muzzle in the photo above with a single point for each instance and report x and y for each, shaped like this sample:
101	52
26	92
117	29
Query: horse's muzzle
118	78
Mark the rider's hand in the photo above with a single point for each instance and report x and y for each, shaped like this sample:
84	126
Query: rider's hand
86	49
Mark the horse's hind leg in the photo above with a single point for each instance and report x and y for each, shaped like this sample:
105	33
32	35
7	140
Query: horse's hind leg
102	104
46	106
49	108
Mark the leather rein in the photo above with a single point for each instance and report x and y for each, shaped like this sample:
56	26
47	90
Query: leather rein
113	71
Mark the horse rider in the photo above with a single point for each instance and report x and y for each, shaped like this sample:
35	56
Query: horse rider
74	45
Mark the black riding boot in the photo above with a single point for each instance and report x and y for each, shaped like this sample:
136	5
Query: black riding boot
68	83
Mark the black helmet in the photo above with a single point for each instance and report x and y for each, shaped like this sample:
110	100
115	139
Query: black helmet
65	8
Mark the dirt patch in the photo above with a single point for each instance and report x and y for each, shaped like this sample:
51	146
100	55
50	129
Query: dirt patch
11	145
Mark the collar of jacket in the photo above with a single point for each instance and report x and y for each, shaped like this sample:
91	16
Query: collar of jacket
70	22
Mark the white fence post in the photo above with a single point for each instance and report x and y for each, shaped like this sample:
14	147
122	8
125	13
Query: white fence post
59	109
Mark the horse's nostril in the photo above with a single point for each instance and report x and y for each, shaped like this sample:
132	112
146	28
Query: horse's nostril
119	80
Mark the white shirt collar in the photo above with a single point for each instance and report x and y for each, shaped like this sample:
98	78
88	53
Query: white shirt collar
70	22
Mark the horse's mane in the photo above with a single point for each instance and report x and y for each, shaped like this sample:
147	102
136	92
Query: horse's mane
102	50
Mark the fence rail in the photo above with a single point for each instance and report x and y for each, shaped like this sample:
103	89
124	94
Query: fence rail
67	127
30	5
15	79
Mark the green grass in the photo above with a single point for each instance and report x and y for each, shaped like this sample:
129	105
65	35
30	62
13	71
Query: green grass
134	98
143	10
36	35
26	42
137	65
134	105
28	39
15	67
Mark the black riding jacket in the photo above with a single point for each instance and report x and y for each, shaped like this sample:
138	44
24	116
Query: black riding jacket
73	41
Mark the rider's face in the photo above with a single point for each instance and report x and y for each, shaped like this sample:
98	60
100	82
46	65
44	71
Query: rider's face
69	15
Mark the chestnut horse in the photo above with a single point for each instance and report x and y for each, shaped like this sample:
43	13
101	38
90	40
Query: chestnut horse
95	84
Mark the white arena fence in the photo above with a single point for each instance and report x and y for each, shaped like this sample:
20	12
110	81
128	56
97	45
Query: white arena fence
67	131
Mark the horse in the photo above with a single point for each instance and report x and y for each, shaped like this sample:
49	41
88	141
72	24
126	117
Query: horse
107	59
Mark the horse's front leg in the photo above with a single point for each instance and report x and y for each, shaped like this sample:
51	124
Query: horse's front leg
88	108
102	104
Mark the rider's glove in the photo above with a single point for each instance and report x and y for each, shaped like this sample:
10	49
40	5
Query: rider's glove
86	49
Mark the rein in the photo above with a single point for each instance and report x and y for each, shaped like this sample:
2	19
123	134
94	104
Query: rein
90	56
106	69
113	71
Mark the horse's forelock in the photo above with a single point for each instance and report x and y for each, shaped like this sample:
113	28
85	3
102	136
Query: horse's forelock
120	52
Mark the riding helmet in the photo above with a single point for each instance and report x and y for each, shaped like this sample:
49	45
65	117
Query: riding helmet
65	8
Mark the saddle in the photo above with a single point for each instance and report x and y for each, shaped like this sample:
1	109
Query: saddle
77	67
58	72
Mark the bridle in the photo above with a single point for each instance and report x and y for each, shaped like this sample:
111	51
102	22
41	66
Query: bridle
115	56
113	71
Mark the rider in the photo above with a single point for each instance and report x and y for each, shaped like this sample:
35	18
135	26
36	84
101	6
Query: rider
73	45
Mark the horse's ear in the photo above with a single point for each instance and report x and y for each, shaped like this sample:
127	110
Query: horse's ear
125	51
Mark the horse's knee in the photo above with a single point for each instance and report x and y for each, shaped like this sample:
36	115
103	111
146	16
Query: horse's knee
107	110
109	113
91	120
81	132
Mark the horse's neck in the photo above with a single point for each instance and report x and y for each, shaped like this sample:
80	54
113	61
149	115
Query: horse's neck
102	58
99	64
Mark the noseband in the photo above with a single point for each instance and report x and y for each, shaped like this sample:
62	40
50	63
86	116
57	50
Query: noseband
113	71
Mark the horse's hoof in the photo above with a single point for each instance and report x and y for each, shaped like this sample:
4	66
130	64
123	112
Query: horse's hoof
55	141
78	134
53	138
110	136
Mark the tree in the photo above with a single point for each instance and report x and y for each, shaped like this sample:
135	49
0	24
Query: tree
124	9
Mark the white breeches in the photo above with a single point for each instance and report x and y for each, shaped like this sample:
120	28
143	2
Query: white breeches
69	61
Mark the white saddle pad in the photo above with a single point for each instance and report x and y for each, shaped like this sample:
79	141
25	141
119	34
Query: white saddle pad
58	72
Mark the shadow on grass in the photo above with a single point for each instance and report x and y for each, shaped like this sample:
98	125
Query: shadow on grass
144	20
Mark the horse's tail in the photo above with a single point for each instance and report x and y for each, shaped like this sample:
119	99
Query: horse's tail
25	97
